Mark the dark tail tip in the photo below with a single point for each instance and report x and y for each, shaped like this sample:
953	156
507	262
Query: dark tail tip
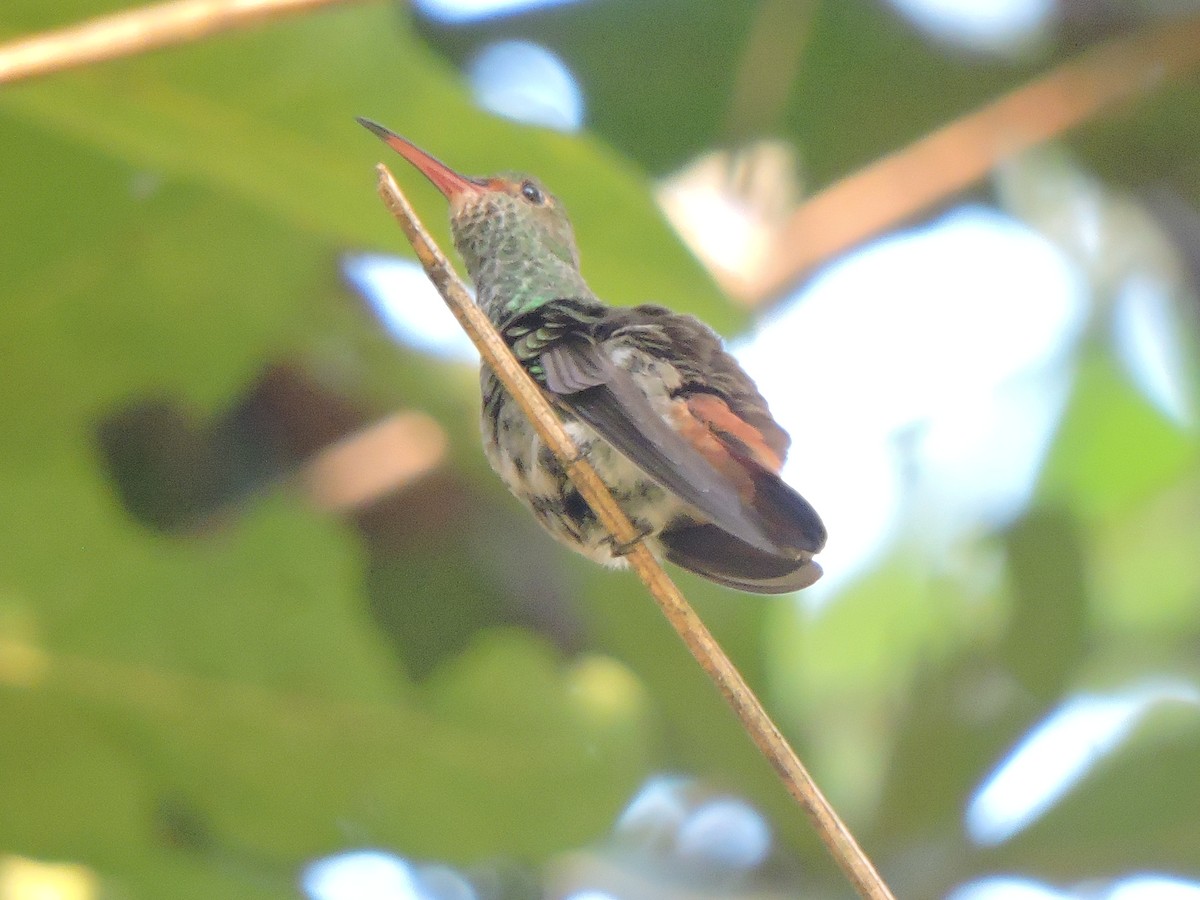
719	556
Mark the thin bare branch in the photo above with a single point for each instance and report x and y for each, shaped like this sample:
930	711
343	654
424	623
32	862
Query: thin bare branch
899	186
699	640
138	30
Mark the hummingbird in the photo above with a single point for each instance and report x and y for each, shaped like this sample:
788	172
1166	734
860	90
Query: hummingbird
669	420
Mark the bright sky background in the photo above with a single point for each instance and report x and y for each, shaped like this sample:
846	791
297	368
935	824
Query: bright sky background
934	361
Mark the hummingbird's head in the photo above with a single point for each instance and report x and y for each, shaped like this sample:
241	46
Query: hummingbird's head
510	217
506	228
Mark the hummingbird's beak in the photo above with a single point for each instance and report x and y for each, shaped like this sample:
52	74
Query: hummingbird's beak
443	177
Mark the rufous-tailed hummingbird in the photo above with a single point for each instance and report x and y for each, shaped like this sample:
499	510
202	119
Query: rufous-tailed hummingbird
668	419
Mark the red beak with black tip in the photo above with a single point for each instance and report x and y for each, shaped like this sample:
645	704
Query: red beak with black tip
443	177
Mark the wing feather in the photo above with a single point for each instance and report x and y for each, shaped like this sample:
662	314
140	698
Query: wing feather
587	383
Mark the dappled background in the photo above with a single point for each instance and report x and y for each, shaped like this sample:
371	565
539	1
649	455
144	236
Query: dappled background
270	628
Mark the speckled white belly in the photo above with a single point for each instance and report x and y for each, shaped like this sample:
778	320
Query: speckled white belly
530	470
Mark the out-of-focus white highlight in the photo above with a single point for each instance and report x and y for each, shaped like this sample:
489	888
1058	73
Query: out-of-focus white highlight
409	306
1136	887
1056	754
527	83
462	11
1002	888
376	875
362	875
659	807
1006	436
725	832
1154	887
998	26
713	833
1149	335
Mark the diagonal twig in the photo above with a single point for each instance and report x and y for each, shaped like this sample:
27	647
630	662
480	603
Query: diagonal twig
703	646
954	157
138	30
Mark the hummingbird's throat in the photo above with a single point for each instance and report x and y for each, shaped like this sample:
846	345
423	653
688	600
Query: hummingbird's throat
514	262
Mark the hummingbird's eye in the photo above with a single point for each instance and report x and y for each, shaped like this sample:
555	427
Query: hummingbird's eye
530	192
